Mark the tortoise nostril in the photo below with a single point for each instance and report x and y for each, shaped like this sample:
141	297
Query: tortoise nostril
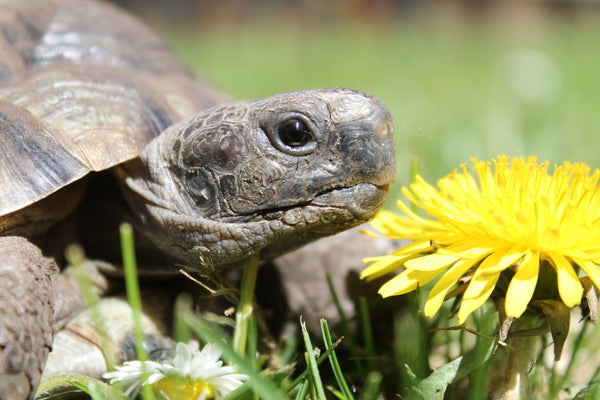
384	129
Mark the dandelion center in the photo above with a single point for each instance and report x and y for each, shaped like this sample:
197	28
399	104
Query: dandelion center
515	202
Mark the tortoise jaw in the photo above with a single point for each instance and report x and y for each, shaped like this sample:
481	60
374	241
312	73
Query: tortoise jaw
358	203
328	213
362	200
347	206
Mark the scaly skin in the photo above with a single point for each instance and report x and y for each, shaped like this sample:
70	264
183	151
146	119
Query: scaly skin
26	319
219	186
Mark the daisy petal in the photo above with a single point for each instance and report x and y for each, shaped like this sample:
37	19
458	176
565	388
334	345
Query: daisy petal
153	379
183	357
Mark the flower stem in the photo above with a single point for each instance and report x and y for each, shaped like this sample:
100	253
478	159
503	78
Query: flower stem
132	288
518	364
245	310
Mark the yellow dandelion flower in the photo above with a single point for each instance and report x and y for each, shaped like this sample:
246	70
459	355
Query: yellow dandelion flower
516	215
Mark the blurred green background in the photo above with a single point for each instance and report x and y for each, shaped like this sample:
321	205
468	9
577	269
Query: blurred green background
462	78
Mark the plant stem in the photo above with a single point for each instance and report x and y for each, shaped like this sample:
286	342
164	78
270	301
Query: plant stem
335	366
135	300
519	363
133	288
368	334
76	259
245	310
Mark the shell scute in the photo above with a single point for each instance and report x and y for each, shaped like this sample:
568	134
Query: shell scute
84	86
33	161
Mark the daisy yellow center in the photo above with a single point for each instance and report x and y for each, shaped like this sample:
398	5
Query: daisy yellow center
175	387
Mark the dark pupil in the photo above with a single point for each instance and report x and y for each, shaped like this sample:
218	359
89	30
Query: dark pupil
294	133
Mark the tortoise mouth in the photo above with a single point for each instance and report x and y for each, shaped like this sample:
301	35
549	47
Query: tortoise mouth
356	203
362	200
328	213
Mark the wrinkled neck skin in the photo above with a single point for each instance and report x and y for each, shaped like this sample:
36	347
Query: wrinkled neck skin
212	190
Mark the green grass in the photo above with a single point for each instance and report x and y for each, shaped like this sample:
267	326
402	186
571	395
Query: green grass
454	92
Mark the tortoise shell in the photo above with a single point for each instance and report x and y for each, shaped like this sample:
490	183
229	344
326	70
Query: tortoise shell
83	87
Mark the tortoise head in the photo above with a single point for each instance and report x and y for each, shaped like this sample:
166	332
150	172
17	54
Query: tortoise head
266	175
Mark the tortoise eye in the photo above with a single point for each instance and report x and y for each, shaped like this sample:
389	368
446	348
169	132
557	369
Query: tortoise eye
294	137
294	133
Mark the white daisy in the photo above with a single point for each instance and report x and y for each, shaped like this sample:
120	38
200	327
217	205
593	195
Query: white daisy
191	374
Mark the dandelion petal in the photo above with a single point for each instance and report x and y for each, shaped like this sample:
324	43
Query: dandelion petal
569	287
499	260
477	293
591	269
406	282
431	262
385	264
522	285
439	290
381	266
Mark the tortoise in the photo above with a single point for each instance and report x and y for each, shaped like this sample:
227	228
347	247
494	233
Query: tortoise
101	123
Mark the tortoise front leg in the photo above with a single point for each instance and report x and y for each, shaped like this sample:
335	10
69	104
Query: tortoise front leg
26	316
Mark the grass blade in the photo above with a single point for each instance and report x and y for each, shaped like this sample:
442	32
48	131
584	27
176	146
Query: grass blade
181	331
302	391
64	386
313	367
133	296
345	328
302	377
133	288
372	385
335	366
76	258
365	319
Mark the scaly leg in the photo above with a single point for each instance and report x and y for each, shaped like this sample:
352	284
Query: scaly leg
26	316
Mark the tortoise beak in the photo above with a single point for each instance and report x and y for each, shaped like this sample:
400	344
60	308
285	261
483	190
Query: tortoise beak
362	200
368	147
